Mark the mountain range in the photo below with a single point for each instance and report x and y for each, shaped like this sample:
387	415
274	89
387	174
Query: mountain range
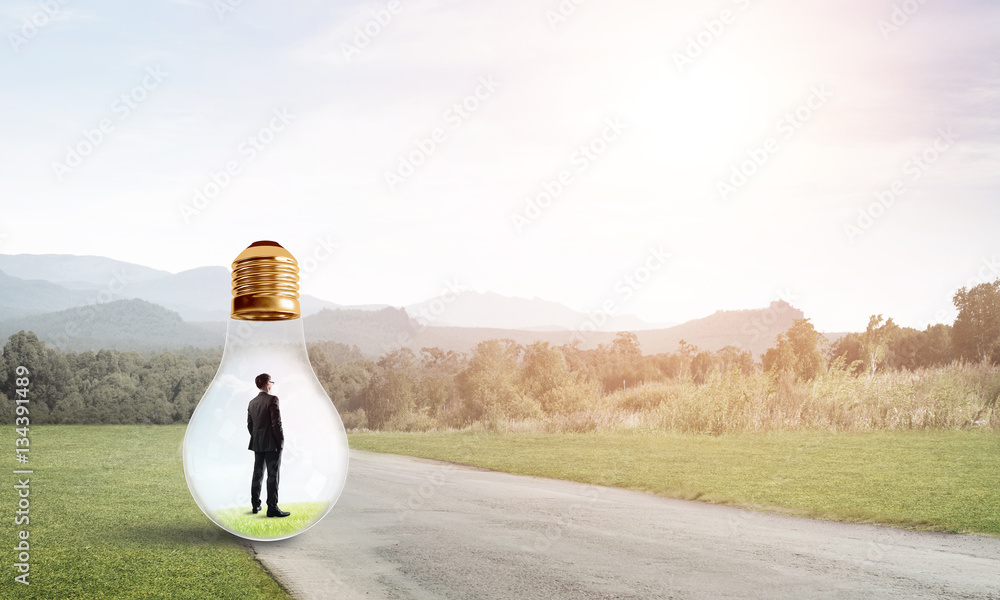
38	283
92	302
35	283
489	309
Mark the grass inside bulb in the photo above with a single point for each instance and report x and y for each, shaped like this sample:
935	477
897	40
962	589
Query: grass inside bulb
265	335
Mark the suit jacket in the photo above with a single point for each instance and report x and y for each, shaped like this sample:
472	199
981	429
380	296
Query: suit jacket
264	424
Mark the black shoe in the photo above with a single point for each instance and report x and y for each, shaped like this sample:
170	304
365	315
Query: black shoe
276	512
256	509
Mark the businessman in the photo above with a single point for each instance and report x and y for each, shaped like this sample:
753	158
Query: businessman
266	441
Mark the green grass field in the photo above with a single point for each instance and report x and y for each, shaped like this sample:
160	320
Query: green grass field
111	517
945	481
259	526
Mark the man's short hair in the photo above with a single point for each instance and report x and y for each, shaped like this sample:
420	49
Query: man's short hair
261	380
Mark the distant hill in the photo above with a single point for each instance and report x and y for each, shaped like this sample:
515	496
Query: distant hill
489	309
464	339
140	325
203	295
755	330
119	325
373	332
138	307
31	296
74	272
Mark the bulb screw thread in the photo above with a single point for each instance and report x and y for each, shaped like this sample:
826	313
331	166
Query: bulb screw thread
265	284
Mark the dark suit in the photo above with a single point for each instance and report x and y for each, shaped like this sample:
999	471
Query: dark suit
266	440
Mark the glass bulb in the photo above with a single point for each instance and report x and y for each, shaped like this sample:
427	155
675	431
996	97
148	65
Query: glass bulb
264	335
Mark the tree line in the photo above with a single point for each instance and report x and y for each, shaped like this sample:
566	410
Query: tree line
498	381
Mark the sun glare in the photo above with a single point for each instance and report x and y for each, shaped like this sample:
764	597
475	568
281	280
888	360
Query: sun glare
693	114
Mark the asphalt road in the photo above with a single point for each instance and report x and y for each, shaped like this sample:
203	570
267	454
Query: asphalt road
414	528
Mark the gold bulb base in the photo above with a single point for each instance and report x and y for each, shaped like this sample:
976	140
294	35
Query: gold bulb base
265	284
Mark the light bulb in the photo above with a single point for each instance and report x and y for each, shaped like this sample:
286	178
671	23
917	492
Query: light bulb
264	336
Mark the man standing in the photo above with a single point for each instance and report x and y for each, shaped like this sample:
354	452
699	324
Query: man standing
266	440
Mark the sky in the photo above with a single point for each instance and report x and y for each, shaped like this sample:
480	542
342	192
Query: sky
664	159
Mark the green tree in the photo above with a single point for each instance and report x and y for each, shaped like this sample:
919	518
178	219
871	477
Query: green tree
626	346
344	383
875	340
490	386
976	333
686	352
701	366
938	349
437	391
64	401
342	371
620	364
906	349
546	378
799	351
849	349
733	360
668	365
48	376
389	394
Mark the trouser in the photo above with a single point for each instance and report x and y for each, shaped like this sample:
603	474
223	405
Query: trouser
272	460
